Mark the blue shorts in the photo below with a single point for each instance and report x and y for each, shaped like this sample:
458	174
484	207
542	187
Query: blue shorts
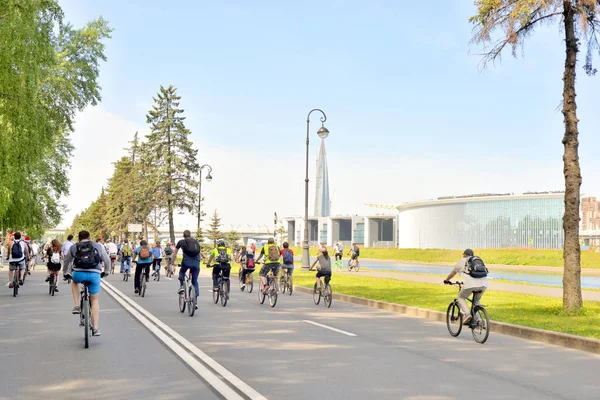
91	278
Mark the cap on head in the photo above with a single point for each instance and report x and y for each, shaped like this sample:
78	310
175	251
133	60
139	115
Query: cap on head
469	253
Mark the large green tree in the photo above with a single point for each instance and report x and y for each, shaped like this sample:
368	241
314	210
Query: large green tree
515	20
174	167
48	72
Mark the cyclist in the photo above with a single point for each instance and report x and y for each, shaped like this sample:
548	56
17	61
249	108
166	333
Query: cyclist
168	256
30	258
246	264
221	255
112	250
55	256
85	261
287	255
126	257
18	258
157	253
470	285
145	255
272	255
339	251
191	260
355	252
36	250
324	268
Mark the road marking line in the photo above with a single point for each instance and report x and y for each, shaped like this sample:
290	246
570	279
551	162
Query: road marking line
329	327
181	341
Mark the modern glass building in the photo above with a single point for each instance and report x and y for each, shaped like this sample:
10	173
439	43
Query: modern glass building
530	220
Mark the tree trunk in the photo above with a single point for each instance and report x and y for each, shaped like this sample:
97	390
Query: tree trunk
572	300
170	178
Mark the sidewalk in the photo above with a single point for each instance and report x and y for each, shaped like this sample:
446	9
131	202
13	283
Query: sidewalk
590	295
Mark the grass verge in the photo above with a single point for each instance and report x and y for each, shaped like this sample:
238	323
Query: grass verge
514	308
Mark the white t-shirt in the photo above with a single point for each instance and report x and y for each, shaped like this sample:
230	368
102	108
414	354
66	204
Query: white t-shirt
111	248
36	248
470	282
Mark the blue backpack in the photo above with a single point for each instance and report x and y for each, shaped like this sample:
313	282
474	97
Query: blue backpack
288	257
157	252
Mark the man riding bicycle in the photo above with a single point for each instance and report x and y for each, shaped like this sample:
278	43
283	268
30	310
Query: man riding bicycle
18	258
191	260
221	255
272	255
471	284
85	260
287	255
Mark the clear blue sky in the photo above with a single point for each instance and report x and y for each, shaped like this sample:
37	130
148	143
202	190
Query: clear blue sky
400	84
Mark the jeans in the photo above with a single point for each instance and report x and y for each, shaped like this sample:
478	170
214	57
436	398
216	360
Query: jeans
126	260
138	273
462	298
194	267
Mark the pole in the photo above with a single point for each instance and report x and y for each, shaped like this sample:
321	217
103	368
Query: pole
305	251
199	200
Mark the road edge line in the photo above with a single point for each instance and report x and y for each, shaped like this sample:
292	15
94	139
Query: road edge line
218	368
329	327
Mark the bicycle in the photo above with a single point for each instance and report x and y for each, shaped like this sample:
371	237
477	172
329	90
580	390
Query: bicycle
286	282
52	282
157	273
15	281
113	260
188	297
271	292
142	288
222	289
169	270
353	263
480	321
249	281
85	317
126	275
322	291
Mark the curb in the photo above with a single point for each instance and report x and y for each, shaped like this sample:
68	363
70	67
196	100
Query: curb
539	335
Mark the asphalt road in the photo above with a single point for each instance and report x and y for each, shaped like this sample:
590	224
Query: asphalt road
279	352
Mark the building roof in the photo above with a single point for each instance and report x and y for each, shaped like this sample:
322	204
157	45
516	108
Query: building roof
469	199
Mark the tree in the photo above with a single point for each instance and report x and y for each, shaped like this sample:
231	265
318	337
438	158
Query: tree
580	20
48	71
232	237
214	232
174	167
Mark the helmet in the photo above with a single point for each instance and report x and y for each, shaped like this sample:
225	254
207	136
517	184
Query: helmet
220	243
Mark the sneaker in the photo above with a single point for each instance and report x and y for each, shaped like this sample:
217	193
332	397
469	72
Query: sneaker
196	306
76	310
56	289
47	278
467	319
20	282
137	291
181	290
154	274
28	272
96	332
243	286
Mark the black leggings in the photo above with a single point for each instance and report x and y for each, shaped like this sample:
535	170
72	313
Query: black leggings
156	262
226	268
338	256
138	272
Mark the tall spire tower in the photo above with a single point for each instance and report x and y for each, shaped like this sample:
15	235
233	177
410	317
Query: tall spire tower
322	188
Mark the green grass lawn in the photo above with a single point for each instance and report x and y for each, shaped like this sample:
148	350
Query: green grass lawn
520	309
532	257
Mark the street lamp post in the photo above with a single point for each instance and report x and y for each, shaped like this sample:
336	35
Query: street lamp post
208	179
323	133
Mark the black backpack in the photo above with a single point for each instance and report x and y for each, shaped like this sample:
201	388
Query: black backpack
192	247
476	268
16	252
222	256
86	256
168	250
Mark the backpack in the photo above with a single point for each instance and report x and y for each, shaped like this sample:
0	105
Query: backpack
192	247
222	256
250	261
476	268
273	253
16	252
168	251
126	250
55	259
144	252
86	255
157	251
288	258
356	251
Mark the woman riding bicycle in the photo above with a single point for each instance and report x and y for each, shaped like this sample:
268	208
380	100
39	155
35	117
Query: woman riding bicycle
324	268
54	253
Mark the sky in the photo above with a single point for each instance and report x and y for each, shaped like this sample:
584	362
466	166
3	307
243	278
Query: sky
411	113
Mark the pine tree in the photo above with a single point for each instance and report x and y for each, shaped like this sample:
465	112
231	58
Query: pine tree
214	232
174	169
232	237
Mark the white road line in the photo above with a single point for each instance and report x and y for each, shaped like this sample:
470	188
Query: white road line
329	327
218	368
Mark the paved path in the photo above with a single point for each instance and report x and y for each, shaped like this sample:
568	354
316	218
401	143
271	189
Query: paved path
590	295
283	352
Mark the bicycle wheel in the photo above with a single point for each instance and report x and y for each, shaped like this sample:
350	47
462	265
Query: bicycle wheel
50	287
282	283
273	293
86	322
454	319
143	286
182	302
224	295
216	293
290	284
158	275
16	283
261	295
480	327
242	286
191	301
327	296
316	294
249	282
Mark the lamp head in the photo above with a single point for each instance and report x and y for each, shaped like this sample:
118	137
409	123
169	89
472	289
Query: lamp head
208	177
323	132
